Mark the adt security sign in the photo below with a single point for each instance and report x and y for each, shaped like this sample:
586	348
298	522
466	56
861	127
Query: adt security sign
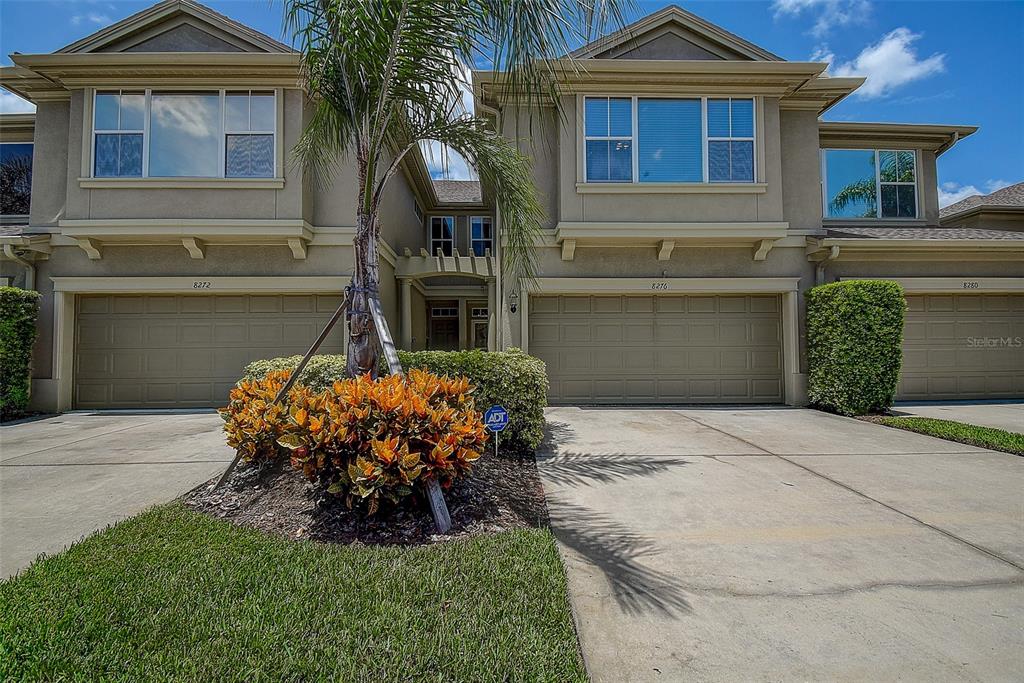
496	418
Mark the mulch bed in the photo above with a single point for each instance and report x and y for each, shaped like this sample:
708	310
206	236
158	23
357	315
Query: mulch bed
503	492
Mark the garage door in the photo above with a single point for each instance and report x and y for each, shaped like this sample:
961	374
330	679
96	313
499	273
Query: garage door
659	349
185	351
963	346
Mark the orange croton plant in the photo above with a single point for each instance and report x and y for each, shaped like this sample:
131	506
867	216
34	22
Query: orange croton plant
368	440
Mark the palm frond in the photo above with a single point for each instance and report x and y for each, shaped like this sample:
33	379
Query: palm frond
859	191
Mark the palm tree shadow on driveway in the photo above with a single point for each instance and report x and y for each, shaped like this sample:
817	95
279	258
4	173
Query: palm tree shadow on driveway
603	542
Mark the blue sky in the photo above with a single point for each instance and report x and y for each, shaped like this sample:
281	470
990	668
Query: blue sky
926	61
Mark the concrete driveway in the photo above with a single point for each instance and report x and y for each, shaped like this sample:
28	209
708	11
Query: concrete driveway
63	477
1007	416
785	544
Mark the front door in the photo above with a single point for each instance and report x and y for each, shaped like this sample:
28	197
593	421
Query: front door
444	334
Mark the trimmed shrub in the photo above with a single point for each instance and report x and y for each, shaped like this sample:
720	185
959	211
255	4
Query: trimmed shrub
368	440
19	310
510	378
854	345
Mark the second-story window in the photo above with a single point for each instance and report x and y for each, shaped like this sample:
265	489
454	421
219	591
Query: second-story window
669	139
119	125
15	178
249	131
853	180
184	134
442	235
609	139
731	140
481	235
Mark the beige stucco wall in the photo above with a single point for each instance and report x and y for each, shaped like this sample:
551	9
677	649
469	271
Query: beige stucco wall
801	169
50	163
539	136
938	267
156	261
191	203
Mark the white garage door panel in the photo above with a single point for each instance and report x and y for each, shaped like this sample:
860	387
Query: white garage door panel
164	351
963	346
665	349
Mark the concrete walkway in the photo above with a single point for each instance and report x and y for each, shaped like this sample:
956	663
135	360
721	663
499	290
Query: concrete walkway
785	544
1008	416
63	477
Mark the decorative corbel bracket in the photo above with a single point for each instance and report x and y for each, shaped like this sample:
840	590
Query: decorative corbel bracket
298	247
665	249
196	249
90	246
568	250
762	249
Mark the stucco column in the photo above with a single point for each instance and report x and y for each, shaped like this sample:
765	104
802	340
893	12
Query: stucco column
463	334
406	313
492	308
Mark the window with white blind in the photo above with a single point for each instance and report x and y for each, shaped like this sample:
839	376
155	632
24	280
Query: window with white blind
669	139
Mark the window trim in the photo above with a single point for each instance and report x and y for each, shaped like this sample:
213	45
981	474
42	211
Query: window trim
452	240
823	168
90	179
582	180
472	240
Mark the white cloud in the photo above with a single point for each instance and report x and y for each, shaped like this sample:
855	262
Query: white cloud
828	14
12	104
444	163
951	192
93	17
888	64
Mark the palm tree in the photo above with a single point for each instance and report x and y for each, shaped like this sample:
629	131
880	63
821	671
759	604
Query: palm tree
384	76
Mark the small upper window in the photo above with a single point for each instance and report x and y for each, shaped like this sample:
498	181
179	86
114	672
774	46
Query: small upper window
853	179
731	140
15	178
249	127
442	235
482	238
609	139
119	126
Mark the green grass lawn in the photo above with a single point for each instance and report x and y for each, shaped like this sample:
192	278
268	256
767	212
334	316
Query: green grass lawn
985	437
174	595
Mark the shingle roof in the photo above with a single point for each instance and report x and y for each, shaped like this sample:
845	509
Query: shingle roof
901	233
458	191
1012	195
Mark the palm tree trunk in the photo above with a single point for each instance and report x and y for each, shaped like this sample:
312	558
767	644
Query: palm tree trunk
362	354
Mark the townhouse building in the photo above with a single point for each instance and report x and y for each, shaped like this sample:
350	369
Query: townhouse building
692	194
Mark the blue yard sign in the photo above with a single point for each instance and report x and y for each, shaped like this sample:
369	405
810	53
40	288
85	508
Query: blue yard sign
496	418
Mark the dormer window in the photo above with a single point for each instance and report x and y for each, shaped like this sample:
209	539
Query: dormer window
184	134
853	180
669	140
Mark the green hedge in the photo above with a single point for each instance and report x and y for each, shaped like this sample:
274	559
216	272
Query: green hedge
509	378
19	310
854	345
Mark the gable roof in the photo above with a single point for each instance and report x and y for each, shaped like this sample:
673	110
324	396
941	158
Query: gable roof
1011	197
137	24
674	16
